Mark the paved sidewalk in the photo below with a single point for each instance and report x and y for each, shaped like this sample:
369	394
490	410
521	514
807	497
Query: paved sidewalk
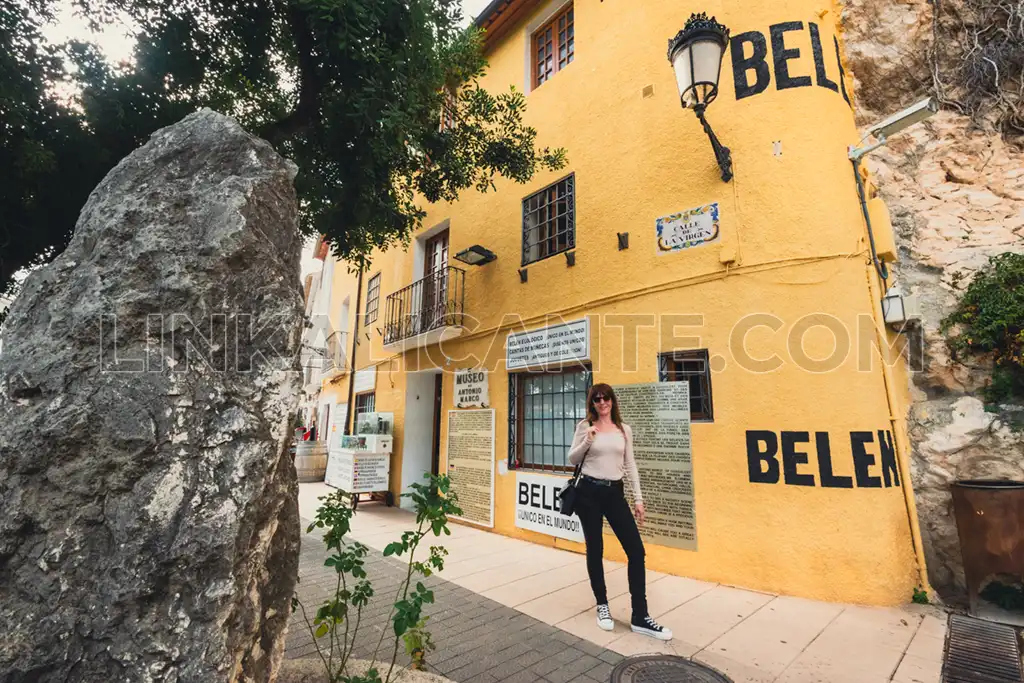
513	611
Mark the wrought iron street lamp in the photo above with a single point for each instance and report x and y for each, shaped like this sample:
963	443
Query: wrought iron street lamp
696	56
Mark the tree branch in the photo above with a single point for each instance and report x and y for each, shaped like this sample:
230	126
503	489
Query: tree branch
311	82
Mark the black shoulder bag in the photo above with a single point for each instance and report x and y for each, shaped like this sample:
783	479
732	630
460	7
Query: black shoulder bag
567	498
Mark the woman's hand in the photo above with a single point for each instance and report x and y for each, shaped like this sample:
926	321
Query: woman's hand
641	513
591	433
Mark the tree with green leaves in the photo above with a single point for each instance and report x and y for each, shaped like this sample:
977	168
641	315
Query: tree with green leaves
354	91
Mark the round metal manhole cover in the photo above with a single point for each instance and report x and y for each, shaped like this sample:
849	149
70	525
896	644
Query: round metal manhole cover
664	669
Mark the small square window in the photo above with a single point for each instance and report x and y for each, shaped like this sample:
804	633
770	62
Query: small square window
692	367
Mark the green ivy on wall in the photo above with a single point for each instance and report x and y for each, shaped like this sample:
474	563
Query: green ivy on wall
989	319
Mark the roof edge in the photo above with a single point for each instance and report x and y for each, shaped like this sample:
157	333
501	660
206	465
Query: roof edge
484	16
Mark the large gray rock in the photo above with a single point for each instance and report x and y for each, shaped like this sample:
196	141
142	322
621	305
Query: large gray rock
149	527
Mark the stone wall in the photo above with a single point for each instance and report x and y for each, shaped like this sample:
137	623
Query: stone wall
956	195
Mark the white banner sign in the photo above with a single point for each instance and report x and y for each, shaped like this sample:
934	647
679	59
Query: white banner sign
687	229
471	389
339	416
564	343
537	507
366	380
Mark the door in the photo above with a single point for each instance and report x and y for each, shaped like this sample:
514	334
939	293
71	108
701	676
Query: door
435	460
435	282
323	425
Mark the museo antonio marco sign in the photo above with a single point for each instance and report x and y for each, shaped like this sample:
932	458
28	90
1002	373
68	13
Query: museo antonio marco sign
471	389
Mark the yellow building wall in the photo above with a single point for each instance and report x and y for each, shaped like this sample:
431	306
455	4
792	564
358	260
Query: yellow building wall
793	244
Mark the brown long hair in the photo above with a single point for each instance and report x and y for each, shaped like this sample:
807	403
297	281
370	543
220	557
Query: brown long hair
605	390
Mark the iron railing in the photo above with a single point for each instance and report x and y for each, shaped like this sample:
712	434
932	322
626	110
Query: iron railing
334	354
434	302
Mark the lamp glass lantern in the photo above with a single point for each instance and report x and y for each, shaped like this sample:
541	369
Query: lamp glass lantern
696	55
475	255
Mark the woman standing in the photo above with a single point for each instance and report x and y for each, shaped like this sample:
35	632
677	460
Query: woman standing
605	447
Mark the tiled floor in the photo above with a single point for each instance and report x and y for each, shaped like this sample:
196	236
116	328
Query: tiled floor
752	637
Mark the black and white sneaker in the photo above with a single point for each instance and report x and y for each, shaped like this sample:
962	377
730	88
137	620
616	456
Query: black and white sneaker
604	618
649	627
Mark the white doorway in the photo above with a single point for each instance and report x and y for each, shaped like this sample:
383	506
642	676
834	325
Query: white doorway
421	434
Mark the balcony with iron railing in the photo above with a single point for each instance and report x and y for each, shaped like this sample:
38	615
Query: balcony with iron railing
426	312
335	355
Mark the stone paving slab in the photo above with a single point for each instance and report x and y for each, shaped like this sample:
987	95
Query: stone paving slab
478	640
752	637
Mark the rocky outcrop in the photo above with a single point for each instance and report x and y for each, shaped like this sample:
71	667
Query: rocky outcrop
956	195
150	524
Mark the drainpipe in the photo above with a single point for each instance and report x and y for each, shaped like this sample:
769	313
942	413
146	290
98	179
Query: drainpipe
898	425
352	361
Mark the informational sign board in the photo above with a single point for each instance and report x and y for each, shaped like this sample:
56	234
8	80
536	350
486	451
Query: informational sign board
659	414
686	229
471	389
557	344
339	415
471	463
357	472
537	506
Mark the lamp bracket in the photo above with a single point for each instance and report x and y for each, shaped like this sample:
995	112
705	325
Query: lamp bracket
722	153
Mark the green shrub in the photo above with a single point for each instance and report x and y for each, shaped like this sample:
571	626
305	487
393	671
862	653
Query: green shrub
337	622
989	318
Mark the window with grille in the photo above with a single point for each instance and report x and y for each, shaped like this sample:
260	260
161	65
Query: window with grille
372	298
549	221
544	409
554	46
365	403
692	367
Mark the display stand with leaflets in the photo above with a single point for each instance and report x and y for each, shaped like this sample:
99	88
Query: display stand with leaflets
360	464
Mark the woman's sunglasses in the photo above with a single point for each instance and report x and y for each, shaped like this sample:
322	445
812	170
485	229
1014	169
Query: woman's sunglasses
601	397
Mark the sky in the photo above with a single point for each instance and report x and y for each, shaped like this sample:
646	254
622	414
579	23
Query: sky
116	41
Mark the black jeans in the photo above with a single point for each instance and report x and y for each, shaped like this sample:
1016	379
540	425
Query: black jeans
593	503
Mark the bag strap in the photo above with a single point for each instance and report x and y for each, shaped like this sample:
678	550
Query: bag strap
579	468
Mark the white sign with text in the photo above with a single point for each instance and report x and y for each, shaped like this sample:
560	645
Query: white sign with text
471	389
537	506
564	343
687	229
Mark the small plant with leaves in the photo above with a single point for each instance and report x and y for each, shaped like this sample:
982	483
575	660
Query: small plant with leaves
920	596
989	319
337	622
418	643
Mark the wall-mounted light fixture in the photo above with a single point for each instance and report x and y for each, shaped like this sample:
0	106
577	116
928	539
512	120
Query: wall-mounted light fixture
523	274
881	132
623	240
570	258
696	56
475	256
